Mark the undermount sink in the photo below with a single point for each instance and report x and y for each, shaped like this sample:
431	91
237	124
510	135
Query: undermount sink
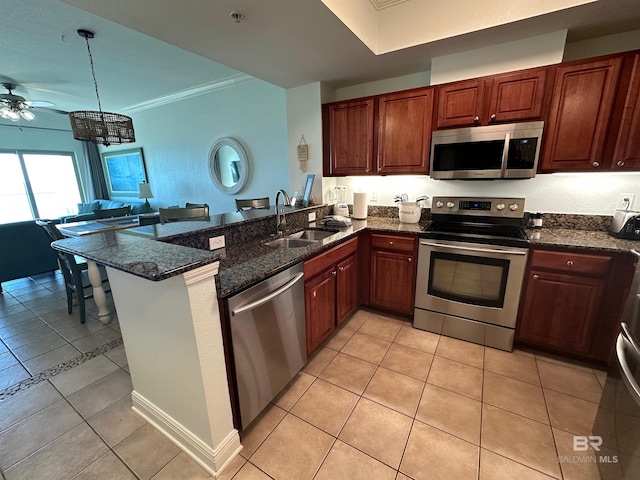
303	238
313	234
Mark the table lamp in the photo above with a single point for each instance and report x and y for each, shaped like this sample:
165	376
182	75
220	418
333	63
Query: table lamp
144	191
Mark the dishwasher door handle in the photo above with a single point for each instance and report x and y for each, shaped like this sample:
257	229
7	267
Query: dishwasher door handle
268	298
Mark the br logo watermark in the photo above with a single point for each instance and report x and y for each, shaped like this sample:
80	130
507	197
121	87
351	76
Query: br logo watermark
582	443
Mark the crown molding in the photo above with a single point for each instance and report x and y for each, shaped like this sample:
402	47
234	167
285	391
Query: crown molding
190	92
381	4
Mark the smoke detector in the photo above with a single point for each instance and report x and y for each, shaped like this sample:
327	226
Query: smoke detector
237	16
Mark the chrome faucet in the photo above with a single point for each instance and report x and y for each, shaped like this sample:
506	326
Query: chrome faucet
281	221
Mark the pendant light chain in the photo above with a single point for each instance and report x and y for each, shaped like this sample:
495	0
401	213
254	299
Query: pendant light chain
93	73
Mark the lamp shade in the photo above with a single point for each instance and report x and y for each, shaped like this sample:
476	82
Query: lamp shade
144	190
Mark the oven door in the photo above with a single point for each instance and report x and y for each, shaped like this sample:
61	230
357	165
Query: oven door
468	280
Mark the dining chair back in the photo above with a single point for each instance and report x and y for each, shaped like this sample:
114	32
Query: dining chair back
183	214
74	272
251	203
112	212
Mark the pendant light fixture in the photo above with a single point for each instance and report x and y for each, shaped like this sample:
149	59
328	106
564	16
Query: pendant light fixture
100	127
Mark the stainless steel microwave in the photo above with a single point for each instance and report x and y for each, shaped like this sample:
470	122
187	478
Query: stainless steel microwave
495	151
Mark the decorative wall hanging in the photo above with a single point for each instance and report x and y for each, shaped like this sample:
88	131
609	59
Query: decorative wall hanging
303	154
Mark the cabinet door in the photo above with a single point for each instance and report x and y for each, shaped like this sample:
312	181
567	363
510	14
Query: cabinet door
460	104
320	308
517	96
346	288
627	152
583	98
351	127
392	280
404	132
561	311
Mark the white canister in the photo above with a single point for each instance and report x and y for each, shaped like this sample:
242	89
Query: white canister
409	212
360	205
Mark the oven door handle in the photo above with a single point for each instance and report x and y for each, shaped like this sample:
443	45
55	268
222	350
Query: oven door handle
472	249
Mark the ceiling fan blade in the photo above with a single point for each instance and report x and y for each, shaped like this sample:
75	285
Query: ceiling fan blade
47	109
39	103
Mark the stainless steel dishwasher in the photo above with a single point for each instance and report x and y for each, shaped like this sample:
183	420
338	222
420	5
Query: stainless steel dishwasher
268	335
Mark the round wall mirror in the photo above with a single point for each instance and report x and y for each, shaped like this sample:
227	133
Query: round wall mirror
228	165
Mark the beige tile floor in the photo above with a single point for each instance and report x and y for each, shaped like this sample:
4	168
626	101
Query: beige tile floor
379	400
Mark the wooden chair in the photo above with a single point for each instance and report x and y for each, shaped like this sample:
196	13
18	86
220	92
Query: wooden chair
112	212
74	272
252	203
183	214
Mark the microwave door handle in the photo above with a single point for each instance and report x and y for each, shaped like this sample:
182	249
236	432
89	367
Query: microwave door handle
505	154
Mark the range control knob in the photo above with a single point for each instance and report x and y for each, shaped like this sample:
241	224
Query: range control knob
500	206
439	204
513	207
450	204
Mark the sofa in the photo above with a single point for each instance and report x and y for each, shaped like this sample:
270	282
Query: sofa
85	210
25	250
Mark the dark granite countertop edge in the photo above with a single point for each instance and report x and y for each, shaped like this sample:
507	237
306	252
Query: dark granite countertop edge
596	241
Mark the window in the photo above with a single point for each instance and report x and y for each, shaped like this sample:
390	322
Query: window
37	185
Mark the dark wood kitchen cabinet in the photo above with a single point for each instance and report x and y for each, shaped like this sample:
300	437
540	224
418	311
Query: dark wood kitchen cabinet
572	302
348	130
627	151
581	108
512	97
385	134
330	290
393	272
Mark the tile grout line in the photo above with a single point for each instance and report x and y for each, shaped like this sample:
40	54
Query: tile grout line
62	367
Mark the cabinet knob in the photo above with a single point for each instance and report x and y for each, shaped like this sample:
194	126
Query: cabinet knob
492	117
535	277
476	119
391	243
341	269
409	259
596	164
367	170
570	263
379	169
334	273
620	163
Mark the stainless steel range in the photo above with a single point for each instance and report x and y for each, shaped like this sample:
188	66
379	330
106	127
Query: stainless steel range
471	264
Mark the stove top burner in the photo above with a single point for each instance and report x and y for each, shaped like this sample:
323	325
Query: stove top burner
488	234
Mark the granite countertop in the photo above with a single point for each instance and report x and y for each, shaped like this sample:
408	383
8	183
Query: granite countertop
137	255
245	265
597	241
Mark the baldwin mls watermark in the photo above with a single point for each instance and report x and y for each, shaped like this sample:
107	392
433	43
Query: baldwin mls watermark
582	443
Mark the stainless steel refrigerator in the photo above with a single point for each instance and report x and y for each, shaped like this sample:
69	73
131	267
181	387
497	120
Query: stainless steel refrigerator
617	423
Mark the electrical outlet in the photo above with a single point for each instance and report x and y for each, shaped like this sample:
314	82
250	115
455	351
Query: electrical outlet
216	242
312	217
625	201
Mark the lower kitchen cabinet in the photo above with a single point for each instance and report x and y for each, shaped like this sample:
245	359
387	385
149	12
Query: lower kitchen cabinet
393	272
330	290
572	302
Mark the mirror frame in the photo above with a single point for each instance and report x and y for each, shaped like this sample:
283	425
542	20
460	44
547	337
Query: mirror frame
214	170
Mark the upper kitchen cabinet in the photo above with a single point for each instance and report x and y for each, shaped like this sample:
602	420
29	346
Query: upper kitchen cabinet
404	131
348	129
513	97
386	134
627	151
581	107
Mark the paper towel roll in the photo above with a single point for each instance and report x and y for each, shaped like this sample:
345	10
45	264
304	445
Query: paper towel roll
360	205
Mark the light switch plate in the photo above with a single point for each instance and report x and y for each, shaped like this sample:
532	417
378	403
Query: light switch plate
216	242
312	217
625	201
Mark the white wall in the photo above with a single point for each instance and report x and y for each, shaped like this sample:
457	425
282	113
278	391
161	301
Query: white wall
176	139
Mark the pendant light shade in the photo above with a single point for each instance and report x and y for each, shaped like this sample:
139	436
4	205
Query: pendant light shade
100	127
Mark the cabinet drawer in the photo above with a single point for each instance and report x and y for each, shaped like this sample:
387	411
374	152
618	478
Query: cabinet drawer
394	243
568	262
329	258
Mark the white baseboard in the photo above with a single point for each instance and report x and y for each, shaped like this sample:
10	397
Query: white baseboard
213	460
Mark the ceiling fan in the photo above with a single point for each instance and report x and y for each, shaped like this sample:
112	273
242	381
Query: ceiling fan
13	107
